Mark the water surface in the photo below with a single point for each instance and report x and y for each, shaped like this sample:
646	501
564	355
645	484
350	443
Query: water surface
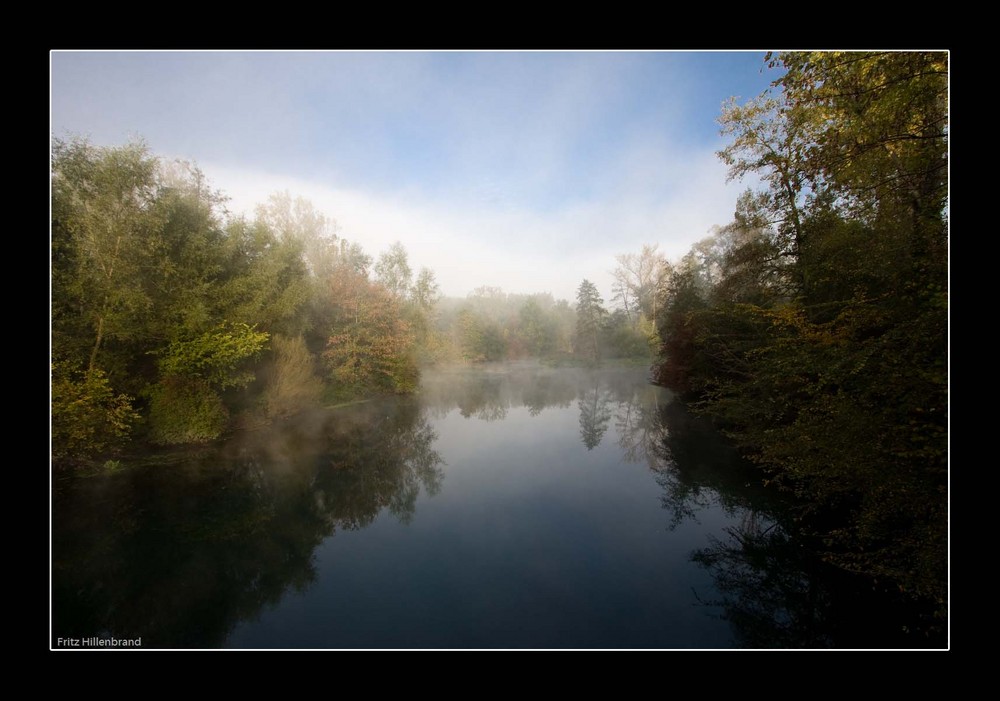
517	506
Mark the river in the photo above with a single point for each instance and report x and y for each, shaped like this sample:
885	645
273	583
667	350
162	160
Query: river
511	506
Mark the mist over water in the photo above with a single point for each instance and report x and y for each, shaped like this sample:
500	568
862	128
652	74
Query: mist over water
505	506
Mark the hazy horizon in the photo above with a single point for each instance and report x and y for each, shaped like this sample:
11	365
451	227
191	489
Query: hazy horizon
527	171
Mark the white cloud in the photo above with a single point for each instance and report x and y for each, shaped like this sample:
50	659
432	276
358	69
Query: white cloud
528	171
497	240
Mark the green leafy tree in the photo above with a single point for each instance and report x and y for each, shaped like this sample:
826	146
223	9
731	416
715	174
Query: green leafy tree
426	293
105	232
217	356
422	312
185	404
158	293
480	339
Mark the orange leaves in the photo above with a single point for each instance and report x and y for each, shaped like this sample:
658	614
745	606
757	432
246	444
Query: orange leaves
370	345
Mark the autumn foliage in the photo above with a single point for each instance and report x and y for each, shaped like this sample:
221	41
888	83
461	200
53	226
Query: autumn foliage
370	348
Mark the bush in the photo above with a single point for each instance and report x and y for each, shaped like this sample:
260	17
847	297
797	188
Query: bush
291	382
183	410
88	417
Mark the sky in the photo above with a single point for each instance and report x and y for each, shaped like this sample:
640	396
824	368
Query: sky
528	171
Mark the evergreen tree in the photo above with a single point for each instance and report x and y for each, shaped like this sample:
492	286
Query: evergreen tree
590	314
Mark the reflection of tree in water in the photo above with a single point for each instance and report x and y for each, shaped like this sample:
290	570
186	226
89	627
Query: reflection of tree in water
698	469
179	553
765	590
484	399
595	413
639	426
777	594
546	390
368	475
489	392
774	591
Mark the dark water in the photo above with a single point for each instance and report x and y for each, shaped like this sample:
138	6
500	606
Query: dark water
512	507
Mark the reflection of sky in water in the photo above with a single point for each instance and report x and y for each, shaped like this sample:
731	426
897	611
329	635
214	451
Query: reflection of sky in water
533	541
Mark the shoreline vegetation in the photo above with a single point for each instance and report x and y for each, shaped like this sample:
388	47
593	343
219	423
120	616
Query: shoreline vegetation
812	328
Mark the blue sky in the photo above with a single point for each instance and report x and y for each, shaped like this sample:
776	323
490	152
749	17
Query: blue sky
528	171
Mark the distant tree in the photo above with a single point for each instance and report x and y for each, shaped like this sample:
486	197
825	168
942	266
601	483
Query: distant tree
590	315
624	339
480	338
421	310
536	328
425	293
595	415
637	280
354	258
298	220
393	271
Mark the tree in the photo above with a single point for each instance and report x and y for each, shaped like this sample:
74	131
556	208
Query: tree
536	328
750	263
264	281
425	293
88	417
480	338
879	138
589	318
814	326
185	404
768	138
105	233
291	383
393	271
637	281
354	258
298	220
159	294
421	310
681	365
370	344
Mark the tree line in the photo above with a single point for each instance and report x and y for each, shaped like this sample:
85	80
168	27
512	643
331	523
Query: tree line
814	327
174	321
